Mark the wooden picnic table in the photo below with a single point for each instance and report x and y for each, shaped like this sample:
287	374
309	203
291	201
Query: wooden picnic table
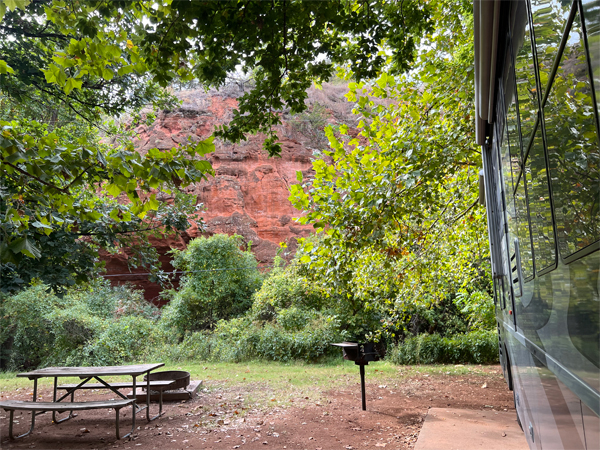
86	374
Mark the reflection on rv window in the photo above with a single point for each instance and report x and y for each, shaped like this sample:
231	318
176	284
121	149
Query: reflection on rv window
540	212
549	23
509	189
591	14
523	231
513	132
573	149
526	85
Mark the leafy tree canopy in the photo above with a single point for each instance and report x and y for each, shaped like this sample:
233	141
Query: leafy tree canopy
396	206
100	45
78	62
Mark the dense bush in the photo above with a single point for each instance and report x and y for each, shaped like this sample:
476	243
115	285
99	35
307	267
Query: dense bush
124	340
240	339
93	324
480	347
478	307
429	316
288	318
25	337
219	282
283	289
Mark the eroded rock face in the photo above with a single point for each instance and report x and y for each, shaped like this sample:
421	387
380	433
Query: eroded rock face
249	193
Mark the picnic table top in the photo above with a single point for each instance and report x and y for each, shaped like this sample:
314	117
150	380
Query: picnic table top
131	370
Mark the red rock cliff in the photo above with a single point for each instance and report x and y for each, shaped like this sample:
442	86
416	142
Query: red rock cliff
249	193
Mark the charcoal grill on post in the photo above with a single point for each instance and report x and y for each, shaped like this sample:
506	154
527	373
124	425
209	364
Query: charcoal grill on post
361	354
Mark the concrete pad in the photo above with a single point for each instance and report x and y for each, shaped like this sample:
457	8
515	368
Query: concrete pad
463	429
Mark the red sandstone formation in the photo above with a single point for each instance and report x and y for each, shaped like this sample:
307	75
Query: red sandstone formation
249	193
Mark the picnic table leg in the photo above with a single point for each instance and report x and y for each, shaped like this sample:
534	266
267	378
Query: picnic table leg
71	415
130	434
117	422
133	410
160	402
33	414
161	390
35	380
10	424
148	396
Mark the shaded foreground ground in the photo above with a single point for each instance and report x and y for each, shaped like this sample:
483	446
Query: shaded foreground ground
228	415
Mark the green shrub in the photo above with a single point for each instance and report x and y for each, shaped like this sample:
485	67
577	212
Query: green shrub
286	298
479	347
90	324
219	283
478	307
73	328
26	337
275	343
240	339
124	340
295	319
282	289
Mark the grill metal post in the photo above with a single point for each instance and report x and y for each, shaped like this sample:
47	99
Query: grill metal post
362	387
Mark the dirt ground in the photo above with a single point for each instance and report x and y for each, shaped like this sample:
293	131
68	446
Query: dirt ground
221	418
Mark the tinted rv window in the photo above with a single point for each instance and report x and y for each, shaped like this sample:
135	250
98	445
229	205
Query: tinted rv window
526	84
540	211
573	148
591	14
511	214
507	171
513	133
518	217
523	231
549	23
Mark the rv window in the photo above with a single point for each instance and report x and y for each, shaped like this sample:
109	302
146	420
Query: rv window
591	15
523	231
526	84
573	149
549	23
514	138
507	169
540	211
508	193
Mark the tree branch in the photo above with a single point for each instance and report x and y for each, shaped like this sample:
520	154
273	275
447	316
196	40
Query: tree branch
78	176
50	185
22	32
462	214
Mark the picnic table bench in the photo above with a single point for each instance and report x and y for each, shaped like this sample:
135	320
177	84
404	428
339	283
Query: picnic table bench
13	405
86	374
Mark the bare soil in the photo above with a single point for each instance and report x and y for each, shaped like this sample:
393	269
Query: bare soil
222	418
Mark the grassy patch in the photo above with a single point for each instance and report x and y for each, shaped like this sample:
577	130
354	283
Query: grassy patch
278	384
